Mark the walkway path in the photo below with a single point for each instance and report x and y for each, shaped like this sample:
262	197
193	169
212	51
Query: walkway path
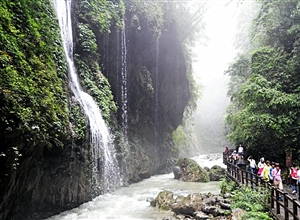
287	209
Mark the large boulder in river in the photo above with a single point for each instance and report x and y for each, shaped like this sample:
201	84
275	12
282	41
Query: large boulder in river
163	200
177	171
216	173
188	170
188	205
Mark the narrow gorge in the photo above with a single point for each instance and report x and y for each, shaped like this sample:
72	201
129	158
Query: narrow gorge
88	112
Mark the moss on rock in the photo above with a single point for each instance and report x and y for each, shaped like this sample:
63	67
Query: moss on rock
191	171
216	173
164	200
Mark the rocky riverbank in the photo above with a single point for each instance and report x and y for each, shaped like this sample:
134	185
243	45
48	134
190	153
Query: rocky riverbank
196	206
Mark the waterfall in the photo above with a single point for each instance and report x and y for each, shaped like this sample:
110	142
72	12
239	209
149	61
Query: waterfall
105	166
156	90
124	83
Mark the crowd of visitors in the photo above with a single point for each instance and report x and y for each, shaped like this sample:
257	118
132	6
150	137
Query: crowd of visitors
270	171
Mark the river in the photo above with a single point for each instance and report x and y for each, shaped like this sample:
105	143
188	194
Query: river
131	202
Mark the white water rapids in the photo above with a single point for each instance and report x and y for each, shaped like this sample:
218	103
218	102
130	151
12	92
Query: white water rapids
131	202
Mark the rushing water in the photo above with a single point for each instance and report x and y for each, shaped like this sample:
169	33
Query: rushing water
131	202
156	91
124	83
105	169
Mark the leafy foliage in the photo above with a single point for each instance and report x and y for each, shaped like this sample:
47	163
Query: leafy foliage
152	12
254	202
32	91
227	186
95	17
101	13
97	85
249	200
256	215
180	138
264	86
78	121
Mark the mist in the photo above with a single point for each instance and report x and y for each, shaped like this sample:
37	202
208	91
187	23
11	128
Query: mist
213	58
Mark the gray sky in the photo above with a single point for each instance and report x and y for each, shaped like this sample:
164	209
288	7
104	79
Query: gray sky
212	60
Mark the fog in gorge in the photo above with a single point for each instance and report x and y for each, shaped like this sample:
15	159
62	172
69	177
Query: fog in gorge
213	58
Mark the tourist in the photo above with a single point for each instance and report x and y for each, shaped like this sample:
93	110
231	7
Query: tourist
253	165
266	171
271	176
294	179
234	157
226	151
226	154
277	180
298	179
241	150
261	165
276	173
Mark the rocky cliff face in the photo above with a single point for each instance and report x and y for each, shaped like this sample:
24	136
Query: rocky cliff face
158	91
49	180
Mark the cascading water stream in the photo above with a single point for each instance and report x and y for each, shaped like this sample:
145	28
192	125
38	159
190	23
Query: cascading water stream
156	123
105	167
124	84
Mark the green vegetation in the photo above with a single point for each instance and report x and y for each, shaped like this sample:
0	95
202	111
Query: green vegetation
180	138
32	89
250	200
227	186
151	12
94	18
264	86
33	78
254	202
78	120
101	14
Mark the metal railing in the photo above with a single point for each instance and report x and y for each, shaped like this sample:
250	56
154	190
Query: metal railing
281	204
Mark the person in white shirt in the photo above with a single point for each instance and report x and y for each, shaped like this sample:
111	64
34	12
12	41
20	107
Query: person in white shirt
252	165
241	150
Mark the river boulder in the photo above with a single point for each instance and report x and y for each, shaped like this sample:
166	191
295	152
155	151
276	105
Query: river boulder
188	205
163	200
193	206
216	173
188	170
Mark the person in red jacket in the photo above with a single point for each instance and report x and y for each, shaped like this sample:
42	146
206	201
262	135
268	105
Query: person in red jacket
294	179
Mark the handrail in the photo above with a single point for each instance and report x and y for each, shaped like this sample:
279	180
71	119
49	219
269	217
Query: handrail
289	208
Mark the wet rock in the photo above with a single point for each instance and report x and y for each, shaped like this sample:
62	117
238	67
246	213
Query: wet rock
216	173
196	206
237	214
209	201
164	200
191	171
179	199
169	218
206	168
177	172
150	199
226	195
188	205
181	217
200	215
209	209
225	205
